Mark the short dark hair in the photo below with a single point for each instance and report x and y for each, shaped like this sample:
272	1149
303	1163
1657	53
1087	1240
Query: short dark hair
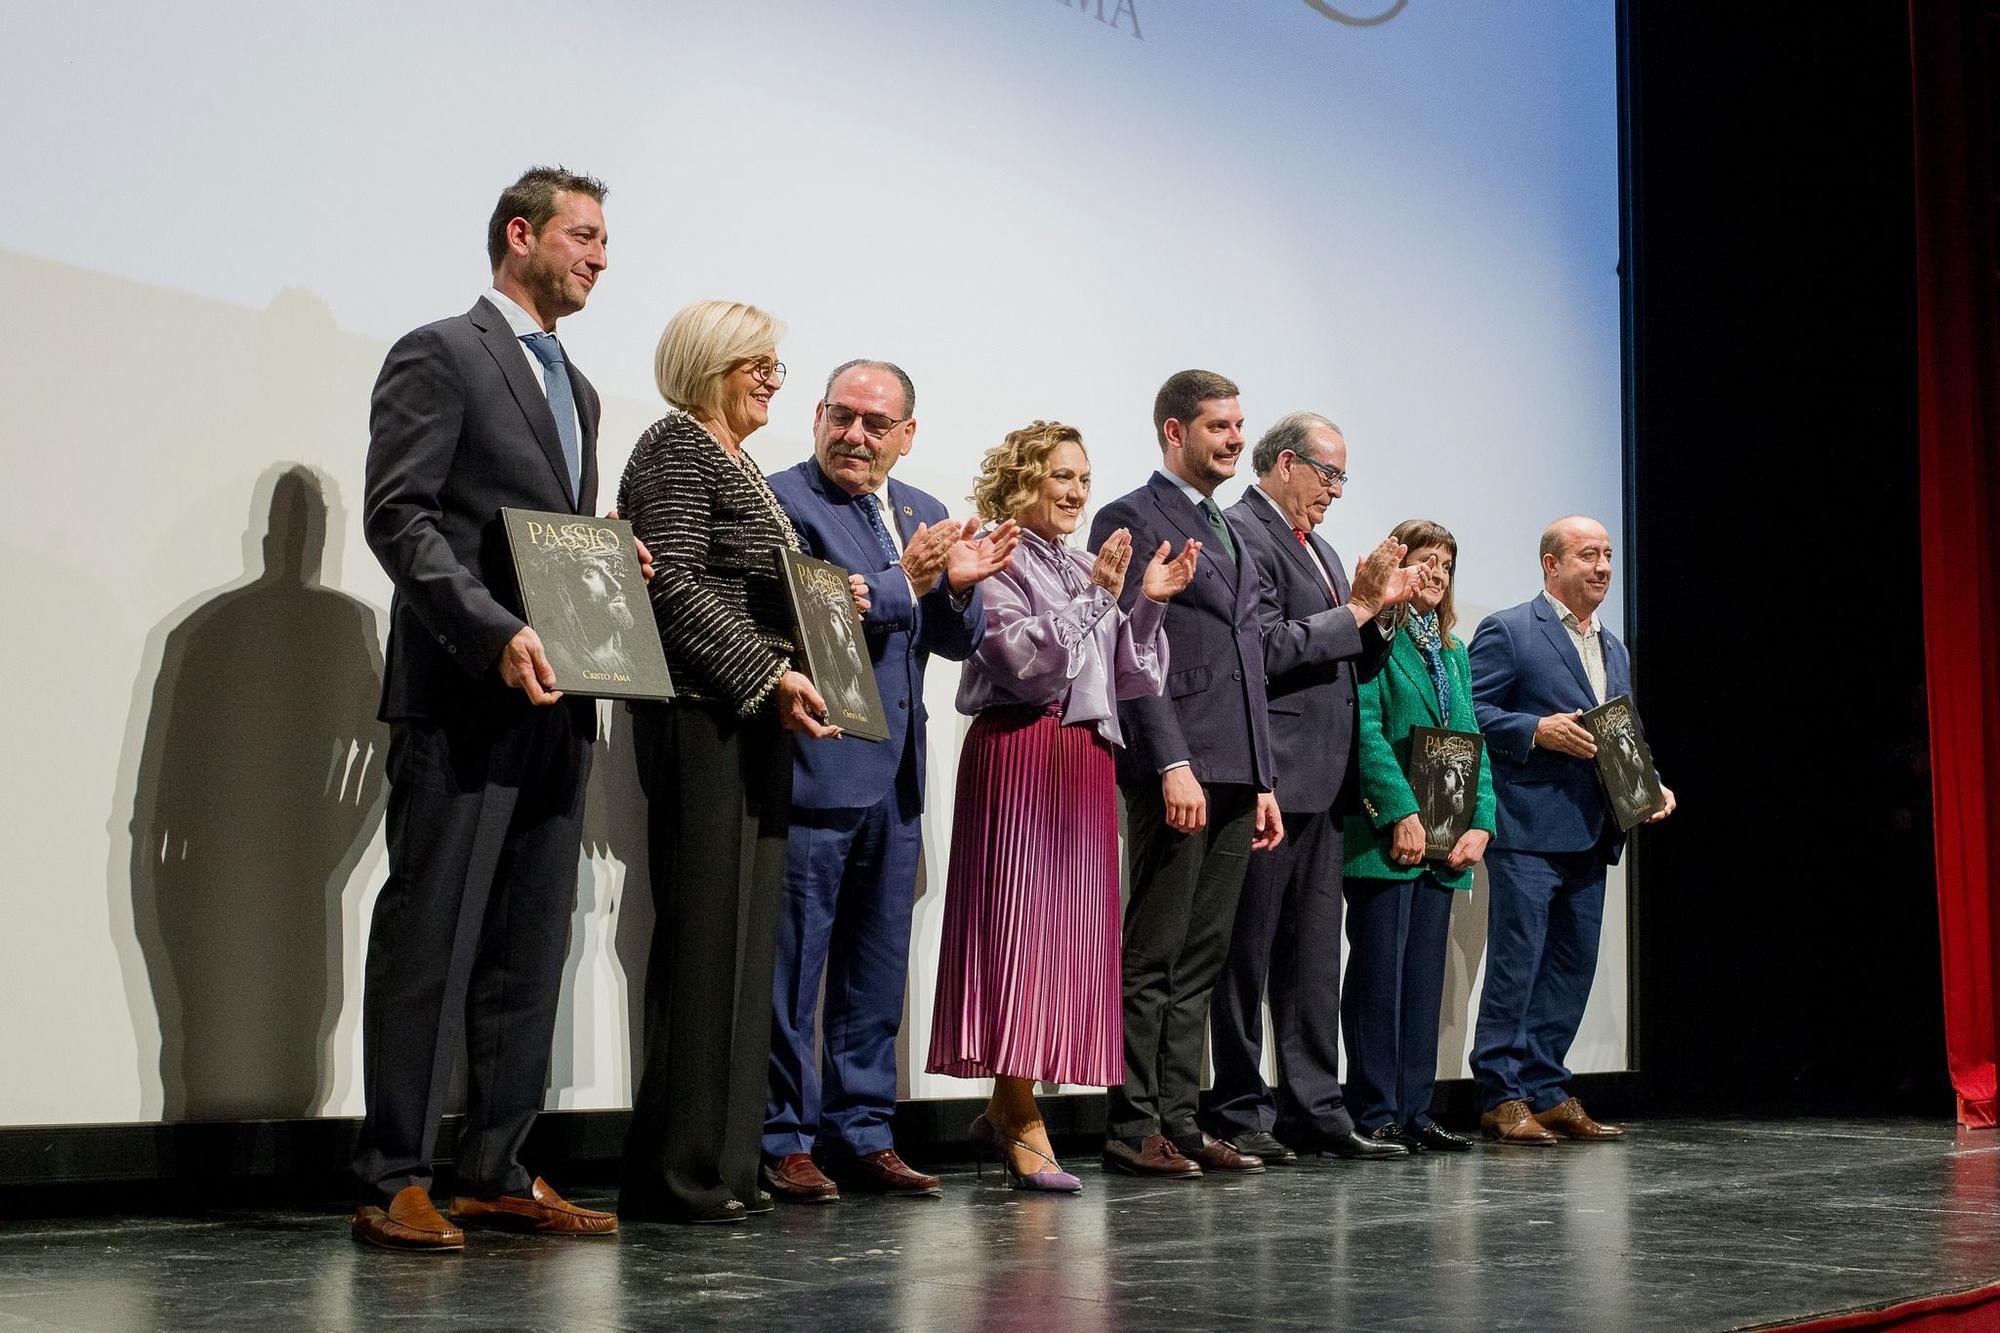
909	389
1181	397
533	199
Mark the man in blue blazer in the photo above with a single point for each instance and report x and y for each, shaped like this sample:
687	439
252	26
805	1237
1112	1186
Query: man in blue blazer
487	761
850	879
1535	667
1197	777
1319	638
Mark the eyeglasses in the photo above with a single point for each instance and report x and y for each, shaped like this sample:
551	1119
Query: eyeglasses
1330	474
873	423
766	372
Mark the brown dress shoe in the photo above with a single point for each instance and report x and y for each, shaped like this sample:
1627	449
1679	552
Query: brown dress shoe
1512	1122
795	1179
1570	1120
1156	1156
1215	1155
540	1210
885	1173
410	1222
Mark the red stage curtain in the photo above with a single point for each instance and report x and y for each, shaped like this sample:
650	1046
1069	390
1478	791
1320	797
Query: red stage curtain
1955	46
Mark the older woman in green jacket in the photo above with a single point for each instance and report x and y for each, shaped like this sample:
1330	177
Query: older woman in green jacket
1399	904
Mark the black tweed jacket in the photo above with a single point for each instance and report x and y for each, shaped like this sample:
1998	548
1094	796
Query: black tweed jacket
713	527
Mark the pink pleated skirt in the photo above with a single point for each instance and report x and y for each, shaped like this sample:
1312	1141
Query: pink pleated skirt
1028	982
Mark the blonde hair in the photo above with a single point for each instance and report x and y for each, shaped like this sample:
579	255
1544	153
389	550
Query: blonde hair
703	342
1013	470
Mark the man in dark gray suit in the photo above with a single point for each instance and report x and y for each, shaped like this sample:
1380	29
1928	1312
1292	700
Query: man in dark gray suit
1319	637
1197	776
487	760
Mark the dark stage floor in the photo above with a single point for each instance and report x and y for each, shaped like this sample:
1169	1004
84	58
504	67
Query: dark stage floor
1686	1225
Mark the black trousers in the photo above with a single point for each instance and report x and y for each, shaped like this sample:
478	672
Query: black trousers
718	800
1177	924
1398	932
468	938
1286	943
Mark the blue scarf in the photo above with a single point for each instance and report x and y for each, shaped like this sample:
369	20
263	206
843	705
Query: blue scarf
1424	630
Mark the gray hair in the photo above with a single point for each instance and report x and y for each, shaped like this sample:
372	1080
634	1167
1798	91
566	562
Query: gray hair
1291	432
902	378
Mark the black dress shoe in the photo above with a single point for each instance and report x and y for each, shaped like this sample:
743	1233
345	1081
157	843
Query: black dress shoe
1258	1143
1393	1133
1435	1137
1356	1147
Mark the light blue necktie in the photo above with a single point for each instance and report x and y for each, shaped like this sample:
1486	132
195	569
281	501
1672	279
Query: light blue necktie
562	403
872	511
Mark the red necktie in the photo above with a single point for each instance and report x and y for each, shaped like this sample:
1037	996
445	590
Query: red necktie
1332	591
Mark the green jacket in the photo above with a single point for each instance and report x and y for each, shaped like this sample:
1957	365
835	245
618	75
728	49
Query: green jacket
1400	697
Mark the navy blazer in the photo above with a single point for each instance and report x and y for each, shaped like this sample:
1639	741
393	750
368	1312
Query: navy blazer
1524	668
1314	654
1213	711
851	773
458	428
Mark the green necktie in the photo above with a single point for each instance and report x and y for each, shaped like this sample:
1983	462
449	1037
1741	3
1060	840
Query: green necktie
1221	526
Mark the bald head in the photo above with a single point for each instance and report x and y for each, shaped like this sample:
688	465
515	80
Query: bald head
1576	563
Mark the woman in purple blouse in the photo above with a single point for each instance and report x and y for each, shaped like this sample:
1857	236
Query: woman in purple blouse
1028	984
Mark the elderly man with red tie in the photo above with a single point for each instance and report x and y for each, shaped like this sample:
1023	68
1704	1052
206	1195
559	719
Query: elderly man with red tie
1320	637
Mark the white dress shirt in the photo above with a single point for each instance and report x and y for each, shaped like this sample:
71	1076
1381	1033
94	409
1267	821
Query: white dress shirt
1589	644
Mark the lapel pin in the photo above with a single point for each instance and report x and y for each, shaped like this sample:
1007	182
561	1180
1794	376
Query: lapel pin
908	510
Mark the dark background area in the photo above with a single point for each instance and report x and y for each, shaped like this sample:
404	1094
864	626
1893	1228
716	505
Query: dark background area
1786	926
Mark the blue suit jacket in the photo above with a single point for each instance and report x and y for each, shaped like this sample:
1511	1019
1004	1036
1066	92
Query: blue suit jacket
1213	711
1525	667
903	632
1313	656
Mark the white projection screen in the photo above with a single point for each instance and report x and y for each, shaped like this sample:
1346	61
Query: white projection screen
1401	215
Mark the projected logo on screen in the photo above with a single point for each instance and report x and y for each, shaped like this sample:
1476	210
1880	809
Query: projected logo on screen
1341	14
1111	13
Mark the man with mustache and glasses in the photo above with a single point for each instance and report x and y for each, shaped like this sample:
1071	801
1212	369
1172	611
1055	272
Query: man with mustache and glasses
850	880
1197	777
1534	668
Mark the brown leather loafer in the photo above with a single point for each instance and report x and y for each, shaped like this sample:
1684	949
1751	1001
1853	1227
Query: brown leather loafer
795	1179
1511	1122
884	1173
1156	1156
540	1210
1570	1120
1215	1155
410	1222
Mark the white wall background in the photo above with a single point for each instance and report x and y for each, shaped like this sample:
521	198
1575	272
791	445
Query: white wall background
226	211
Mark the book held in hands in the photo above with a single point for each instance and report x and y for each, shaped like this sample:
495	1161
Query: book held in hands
836	652
582	593
1444	775
1624	762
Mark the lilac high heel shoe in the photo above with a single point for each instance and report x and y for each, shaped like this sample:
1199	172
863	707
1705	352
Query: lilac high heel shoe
985	1136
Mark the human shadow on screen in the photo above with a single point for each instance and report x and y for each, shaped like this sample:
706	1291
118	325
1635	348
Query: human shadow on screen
1464	952
614	836
260	784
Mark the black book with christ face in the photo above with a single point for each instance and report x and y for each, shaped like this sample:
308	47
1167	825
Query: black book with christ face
1444	775
1624	762
581	592
836	649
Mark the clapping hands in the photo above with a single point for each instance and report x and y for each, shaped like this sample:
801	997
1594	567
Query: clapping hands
973	558
1166	578
957	553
